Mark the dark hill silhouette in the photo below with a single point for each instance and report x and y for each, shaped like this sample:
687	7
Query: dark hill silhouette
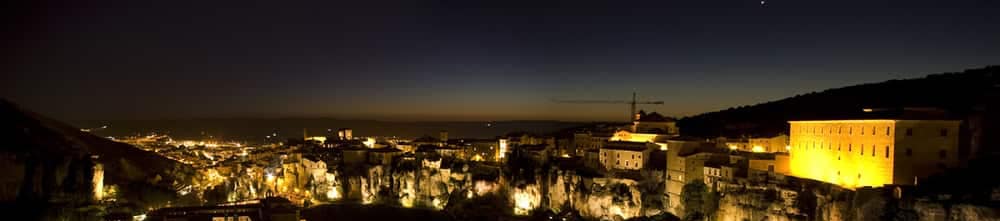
963	95
46	161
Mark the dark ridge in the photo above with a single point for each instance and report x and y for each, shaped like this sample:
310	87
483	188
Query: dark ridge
962	95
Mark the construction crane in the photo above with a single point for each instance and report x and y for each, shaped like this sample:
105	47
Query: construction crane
632	103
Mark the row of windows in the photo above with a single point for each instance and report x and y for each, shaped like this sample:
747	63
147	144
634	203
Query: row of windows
618	162
840	130
942	154
850	130
619	155
850	148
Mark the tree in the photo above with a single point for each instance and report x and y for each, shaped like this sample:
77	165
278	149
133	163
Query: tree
693	196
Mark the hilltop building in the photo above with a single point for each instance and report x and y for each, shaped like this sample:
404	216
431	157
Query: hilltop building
858	153
654	123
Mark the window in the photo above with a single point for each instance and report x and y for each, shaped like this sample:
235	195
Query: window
887	131
944	132
942	154
850	130
862	150
770	168
838	147
873	150
849	148
840	130
873	130
909	131
617	162
887	152
909	151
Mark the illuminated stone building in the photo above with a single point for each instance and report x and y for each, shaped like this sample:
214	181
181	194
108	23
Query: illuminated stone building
427	140
775	144
769	144
857	153
480	149
686	158
590	140
345	134
623	155
660	140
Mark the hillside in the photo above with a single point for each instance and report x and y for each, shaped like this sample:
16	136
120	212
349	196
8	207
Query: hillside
963	95
48	161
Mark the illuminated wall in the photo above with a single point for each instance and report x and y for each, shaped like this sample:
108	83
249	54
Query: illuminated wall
856	153
502	150
769	144
98	181
623	159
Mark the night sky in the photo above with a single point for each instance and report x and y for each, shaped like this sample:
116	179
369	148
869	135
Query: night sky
454	60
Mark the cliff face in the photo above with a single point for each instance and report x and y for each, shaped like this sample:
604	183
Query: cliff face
451	187
827	202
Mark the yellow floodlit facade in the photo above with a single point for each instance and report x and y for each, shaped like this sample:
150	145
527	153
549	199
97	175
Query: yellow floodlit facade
857	153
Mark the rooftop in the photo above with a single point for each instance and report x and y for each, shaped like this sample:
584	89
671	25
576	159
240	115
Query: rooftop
625	145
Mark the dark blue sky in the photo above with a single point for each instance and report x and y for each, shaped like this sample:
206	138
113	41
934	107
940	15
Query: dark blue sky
453	60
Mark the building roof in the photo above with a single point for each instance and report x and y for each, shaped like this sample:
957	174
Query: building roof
426	148
625	145
688	151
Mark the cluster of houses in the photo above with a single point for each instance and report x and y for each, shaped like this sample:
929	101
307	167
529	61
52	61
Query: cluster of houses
848	152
